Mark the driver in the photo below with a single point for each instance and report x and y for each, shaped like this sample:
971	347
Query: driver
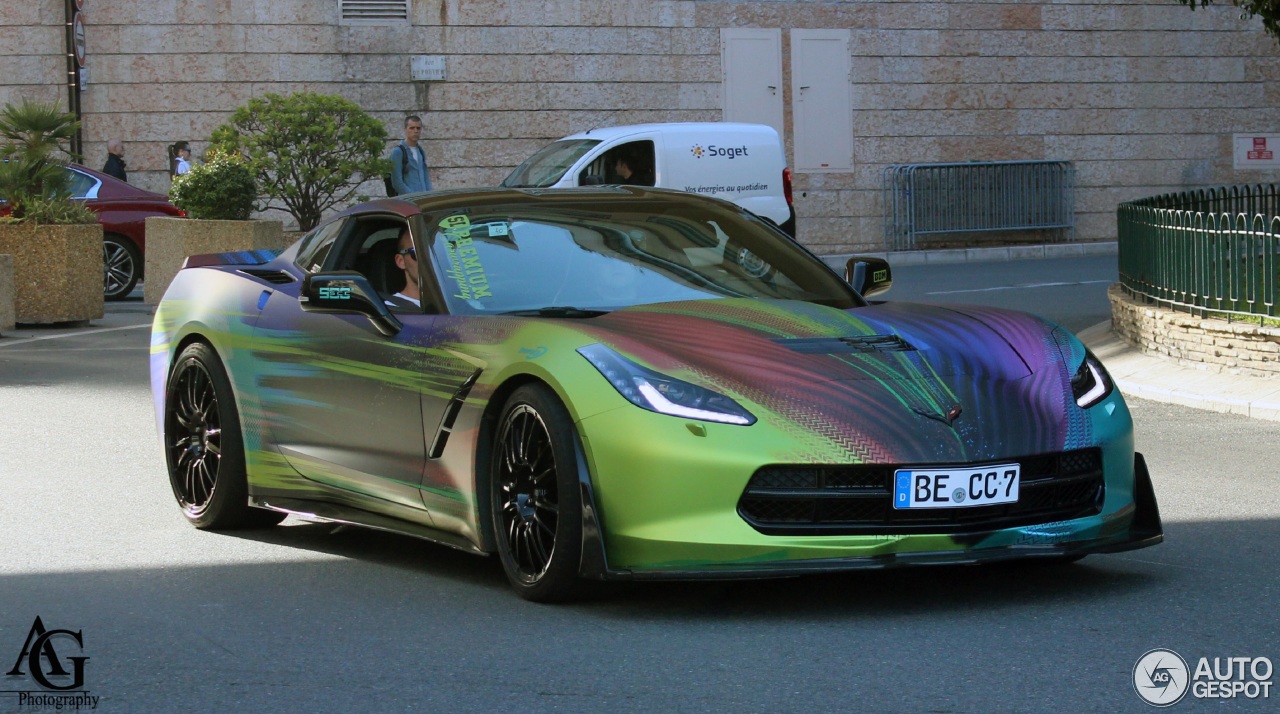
406	258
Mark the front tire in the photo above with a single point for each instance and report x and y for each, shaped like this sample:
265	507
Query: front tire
203	445
121	267
535	496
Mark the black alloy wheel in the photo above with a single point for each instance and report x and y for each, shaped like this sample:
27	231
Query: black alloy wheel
203	445
537	515
121	267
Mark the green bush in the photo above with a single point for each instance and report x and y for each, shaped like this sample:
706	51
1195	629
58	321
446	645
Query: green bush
222	188
33	178
58	211
307	151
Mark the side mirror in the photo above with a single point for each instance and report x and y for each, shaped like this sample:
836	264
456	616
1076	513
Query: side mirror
592	180
347	292
869	276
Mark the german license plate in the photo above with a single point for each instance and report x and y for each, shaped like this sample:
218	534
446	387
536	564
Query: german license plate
955	488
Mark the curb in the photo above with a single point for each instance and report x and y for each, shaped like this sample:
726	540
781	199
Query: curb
1006	253
1138	374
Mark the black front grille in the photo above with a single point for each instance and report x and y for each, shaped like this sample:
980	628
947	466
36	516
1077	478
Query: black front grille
852	500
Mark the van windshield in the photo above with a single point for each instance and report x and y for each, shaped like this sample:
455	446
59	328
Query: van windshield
547	166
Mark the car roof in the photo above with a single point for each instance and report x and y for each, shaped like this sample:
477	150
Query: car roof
432	201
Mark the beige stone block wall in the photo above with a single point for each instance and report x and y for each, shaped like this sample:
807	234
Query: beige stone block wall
57	272
171	240
7	318
1209	344
1143	95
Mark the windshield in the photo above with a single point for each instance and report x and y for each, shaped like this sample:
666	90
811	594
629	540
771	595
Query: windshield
549	164
601	255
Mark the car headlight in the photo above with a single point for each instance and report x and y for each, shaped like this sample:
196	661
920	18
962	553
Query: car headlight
1091	383
659	393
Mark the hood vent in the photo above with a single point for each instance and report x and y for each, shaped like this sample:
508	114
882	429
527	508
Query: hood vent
846	345
275	277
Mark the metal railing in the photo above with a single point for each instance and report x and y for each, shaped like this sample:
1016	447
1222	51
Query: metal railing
1204	251
977	196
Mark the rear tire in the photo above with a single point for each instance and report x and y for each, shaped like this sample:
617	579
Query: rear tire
121	267
203	445
535	497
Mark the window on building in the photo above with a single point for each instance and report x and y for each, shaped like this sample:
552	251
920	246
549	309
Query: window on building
373	12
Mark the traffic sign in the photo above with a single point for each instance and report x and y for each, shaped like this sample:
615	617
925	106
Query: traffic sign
77	37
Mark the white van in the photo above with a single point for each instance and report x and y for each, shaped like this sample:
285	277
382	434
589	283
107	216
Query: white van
742	163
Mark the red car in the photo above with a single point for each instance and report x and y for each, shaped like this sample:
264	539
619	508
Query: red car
122	210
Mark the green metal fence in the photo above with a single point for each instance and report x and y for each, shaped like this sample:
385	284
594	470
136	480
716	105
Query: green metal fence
1214	250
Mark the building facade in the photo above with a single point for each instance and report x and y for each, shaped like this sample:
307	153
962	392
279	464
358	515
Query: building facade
1142	95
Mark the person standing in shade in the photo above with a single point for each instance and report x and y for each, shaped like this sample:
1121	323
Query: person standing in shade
179	158
409	172
115	165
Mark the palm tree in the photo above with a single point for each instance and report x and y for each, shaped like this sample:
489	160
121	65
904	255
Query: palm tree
31	170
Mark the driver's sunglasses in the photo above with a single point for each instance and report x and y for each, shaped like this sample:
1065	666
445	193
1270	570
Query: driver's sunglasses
411	252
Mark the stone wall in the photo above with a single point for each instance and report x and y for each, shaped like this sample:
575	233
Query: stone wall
1143	95
1208	344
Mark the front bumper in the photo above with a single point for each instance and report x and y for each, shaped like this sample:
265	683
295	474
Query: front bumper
702	542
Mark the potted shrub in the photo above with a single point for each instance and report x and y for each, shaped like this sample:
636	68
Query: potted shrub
218	196
56	243
308	152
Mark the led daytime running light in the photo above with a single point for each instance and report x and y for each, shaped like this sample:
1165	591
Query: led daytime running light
662	404
645	388
1096	383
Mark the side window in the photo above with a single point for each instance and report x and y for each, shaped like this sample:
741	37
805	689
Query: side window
627	164
83	185
317	245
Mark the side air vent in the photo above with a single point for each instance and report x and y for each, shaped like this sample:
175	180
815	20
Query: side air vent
450	415
846	345
275	277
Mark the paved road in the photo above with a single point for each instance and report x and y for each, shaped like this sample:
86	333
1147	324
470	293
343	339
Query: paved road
308	618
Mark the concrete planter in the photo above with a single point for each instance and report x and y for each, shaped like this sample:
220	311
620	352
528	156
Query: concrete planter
57	272
171	240
7	319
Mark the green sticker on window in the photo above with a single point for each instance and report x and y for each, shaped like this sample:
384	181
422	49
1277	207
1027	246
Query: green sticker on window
465	267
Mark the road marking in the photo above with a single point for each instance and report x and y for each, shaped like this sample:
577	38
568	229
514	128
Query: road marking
25	340
1018	287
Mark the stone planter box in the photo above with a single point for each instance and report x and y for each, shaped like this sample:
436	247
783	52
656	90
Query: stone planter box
7	319
1206	343
171	240
57	272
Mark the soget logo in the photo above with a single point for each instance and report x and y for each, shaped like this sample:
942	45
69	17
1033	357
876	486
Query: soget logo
712	150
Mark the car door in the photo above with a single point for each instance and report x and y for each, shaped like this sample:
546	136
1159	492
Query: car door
344	401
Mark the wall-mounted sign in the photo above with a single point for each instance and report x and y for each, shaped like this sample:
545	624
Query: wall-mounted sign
1255	151
427	68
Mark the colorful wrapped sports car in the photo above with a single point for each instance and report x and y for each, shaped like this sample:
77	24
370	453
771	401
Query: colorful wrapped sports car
615	383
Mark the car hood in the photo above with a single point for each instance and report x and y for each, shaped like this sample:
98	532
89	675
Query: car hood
908	382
